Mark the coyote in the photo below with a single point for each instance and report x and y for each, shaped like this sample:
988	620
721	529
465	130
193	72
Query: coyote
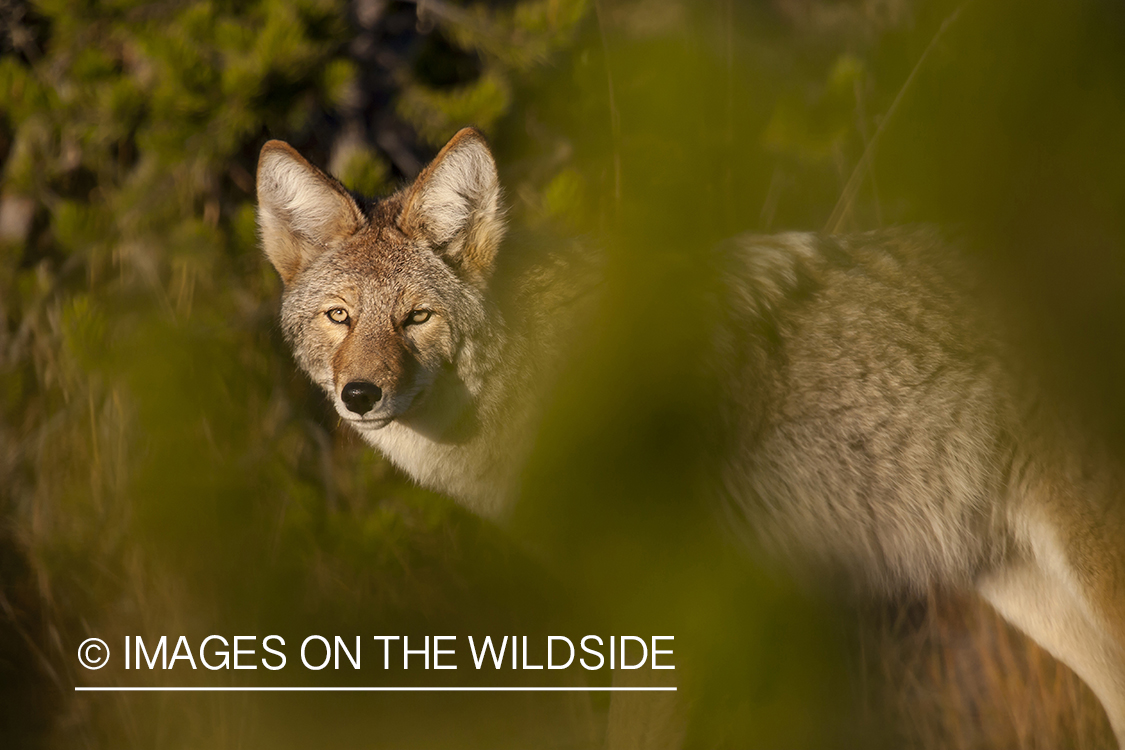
874	421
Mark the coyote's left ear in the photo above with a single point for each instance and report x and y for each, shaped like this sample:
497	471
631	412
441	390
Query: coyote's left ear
455	206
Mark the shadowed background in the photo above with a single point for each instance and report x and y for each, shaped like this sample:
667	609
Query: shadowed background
165	468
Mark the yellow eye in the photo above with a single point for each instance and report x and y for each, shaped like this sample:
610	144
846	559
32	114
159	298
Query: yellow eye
418	316
338	315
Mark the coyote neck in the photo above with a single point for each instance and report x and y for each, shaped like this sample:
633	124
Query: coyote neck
488	405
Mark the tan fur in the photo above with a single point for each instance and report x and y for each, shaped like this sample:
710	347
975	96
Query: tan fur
301	211
453	414
455	202
876	422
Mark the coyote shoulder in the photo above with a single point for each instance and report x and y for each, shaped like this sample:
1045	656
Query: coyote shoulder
873	419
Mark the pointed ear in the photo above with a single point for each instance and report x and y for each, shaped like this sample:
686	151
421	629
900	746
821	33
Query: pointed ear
454	205
301	210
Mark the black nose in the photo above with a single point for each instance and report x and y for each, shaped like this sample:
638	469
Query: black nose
359	396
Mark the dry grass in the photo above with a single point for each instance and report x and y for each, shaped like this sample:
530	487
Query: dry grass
953	675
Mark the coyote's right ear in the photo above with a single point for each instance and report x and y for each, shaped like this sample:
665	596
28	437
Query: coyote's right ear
301	210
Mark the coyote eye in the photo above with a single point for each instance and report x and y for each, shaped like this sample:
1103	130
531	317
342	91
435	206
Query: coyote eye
418	316
337	315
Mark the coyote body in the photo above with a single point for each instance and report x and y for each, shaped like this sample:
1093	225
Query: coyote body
875	423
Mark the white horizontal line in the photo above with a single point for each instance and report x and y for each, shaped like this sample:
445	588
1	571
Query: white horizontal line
365	689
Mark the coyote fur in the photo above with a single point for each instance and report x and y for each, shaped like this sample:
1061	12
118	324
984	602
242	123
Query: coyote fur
874	423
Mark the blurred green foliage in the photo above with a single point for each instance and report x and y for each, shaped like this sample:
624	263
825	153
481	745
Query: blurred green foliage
164	465
164	468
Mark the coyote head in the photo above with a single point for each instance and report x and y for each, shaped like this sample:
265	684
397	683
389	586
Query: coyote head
384	297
